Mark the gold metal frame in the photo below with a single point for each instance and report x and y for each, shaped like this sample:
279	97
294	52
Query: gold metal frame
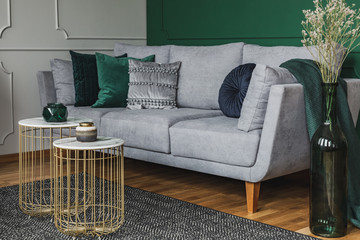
89	190
35	194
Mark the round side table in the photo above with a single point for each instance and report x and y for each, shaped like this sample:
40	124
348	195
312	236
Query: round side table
35	151
89	186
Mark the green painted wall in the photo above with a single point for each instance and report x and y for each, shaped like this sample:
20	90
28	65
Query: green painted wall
209	22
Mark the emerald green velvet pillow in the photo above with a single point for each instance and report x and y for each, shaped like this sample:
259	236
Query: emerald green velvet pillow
85	78
113	77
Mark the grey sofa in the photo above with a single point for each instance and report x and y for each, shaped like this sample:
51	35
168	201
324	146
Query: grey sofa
197	136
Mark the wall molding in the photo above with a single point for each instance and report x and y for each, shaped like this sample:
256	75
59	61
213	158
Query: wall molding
2	30
11	130
68	37
53	49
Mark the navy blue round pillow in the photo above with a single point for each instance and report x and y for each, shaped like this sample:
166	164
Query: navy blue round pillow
233	90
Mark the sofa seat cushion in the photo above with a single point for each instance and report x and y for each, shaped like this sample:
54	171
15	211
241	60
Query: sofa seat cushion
94	114
148	128
215	139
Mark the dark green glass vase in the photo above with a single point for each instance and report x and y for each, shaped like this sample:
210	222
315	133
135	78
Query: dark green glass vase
55	112
328	172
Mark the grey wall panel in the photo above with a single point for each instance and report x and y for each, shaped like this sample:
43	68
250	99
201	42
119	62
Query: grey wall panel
32	33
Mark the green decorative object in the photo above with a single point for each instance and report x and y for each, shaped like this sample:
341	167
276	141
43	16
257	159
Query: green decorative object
113	76
328	172
85	78
55	112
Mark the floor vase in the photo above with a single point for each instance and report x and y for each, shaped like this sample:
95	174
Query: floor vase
328	171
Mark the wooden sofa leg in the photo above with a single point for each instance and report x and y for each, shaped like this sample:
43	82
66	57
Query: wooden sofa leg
252	195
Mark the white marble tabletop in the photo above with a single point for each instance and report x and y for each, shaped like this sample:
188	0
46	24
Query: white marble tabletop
41	123
100	143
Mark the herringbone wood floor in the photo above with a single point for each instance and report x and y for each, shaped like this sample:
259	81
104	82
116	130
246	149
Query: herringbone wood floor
283	201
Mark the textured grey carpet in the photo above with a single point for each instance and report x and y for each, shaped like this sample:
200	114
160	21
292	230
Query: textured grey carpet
147	216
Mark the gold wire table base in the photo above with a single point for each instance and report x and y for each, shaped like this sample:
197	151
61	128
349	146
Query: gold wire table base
88	186
35	150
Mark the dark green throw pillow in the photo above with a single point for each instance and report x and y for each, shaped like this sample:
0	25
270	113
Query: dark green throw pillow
85	78
113	76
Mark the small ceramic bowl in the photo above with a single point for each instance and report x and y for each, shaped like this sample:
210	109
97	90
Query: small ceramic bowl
86	132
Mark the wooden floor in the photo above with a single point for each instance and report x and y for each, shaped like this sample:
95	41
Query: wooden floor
283	201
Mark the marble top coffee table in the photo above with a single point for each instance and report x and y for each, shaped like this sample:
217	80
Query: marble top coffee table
89	186
35	151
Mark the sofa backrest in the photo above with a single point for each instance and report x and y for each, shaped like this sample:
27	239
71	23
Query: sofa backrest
273	56
138	51
202	71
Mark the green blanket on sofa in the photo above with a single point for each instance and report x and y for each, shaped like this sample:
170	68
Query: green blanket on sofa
307	73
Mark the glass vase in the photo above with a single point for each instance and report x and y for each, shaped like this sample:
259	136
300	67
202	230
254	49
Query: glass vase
55	112
328	172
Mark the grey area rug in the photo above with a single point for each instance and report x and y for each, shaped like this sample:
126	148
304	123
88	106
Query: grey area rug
147	216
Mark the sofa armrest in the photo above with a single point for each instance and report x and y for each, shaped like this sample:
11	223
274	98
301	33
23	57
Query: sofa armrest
46	87
284	146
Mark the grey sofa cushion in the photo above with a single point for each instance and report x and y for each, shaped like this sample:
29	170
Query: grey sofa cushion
93	113
46	87
62	71
138	51
148	128
273	56
215	139
202	72
254	107
152	85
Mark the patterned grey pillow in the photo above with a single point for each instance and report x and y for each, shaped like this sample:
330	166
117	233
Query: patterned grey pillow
62	71
152	85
